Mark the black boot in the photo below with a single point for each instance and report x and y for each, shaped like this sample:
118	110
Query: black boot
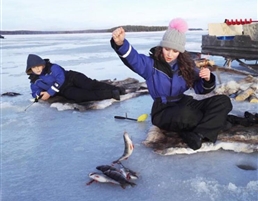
122	90
192	139
234	120
227	126
116	94
253	118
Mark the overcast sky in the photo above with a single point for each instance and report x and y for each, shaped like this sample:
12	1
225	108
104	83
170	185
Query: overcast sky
97	14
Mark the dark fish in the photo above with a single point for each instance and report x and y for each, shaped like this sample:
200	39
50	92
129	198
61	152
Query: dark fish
104	168
128	174
117	176
10	94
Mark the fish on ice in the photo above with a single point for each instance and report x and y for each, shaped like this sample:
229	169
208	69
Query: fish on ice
119	177
128	173
128	150
104	168
102	178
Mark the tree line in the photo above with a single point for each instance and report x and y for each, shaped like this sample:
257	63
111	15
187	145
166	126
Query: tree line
128	28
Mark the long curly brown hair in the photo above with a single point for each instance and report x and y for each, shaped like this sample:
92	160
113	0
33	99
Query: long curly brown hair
185	63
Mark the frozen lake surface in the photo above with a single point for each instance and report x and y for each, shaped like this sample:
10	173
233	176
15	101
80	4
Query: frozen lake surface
46	154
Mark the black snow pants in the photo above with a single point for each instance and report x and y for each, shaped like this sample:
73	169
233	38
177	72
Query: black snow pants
207	116
80	88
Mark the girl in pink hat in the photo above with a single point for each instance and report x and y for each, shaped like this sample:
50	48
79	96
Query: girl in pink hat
169	71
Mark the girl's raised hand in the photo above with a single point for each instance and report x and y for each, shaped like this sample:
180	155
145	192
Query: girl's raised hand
119	36
205	73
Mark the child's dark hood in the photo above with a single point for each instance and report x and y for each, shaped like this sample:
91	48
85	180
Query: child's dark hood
32	61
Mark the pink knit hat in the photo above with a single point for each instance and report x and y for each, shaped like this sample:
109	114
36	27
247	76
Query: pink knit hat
174	37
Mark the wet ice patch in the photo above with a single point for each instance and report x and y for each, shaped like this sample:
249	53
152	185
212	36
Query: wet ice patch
75	106
10	105
6	105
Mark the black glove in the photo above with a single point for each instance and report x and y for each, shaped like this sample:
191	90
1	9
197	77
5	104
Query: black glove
37	98
253	118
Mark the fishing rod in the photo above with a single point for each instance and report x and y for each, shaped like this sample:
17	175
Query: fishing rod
141	118
35	101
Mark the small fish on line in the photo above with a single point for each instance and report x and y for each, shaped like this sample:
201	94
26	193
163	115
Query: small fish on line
120	175
128	150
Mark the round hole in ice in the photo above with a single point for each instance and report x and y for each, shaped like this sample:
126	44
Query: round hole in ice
247	167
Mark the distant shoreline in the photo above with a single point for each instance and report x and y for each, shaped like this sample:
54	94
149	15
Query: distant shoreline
128	28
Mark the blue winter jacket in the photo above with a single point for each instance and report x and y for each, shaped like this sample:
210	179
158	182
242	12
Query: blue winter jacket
163	81
50	80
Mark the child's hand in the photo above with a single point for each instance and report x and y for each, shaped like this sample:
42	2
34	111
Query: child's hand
45	95
119	36
205	73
